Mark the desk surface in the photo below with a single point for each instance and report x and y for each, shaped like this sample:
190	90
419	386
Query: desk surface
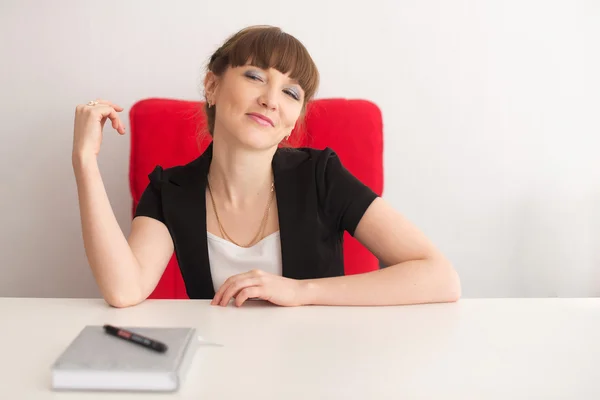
472	349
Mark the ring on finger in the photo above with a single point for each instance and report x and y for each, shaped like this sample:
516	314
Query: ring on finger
92	103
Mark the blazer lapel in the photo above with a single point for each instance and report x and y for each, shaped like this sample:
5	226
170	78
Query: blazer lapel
185	208
297	213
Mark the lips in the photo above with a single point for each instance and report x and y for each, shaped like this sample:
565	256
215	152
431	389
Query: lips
261	119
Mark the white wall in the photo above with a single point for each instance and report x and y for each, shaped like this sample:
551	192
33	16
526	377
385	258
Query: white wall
490	111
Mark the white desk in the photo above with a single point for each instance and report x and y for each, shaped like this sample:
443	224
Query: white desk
473	349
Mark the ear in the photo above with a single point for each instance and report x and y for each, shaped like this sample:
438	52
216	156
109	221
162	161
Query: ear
211	82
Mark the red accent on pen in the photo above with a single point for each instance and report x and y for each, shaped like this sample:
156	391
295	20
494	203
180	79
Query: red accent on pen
136	338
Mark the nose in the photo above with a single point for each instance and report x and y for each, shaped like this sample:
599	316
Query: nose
268	99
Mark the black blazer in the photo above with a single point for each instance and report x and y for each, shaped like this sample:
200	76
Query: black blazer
317	199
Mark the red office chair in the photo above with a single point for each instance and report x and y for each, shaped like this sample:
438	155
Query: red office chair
166	132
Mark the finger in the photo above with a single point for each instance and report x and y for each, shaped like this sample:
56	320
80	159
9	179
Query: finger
247	293
228	290
236	287
121	127
106	111
224	286
116	122
110	104
228	282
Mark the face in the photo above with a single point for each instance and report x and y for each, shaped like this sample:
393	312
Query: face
255	107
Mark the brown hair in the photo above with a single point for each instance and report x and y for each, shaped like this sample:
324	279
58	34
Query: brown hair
265	47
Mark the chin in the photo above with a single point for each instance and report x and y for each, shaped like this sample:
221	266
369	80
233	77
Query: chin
257	139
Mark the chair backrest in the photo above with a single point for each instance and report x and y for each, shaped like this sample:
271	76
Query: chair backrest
165	132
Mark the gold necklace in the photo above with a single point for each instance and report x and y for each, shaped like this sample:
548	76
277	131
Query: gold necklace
261	228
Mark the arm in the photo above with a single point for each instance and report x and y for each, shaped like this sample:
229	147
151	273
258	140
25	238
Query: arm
417	272
126	270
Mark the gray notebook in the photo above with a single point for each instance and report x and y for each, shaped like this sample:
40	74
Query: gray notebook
97	361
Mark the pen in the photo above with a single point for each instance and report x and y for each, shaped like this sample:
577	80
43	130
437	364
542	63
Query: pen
136	338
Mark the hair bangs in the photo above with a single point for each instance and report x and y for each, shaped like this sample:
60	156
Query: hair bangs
272	48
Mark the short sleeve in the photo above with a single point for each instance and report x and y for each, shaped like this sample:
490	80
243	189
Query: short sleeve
344	197
150	204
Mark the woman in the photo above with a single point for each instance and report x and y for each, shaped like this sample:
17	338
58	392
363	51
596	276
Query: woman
222	213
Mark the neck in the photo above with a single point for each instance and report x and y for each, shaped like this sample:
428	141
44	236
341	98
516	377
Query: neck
239	175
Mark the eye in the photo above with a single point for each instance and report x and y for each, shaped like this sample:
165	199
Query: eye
292	93
253	76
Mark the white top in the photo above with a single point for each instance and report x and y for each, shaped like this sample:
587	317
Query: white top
486	349
227	259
